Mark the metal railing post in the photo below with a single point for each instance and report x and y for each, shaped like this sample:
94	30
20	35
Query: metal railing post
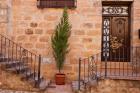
106	57
105	66
39	68
79	76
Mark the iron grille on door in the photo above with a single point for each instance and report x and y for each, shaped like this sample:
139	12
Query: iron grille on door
116	35
105	38
115	10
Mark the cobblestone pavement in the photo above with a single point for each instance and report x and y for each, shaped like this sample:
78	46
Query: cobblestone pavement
14	91
104	86
60	89
117	86
53	89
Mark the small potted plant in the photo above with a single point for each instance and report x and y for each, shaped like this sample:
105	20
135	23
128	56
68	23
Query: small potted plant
60	45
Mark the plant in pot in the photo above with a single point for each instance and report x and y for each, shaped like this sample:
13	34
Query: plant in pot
60	45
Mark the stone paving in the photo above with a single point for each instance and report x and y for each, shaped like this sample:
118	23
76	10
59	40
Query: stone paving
60	89
117	86
13	81
53	89
14	91
104	86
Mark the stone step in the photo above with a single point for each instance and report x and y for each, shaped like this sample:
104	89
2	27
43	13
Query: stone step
91	81
75	85
97	76
23	69
34	80
14	64
5	59
18	69
44	84
27	74
9	62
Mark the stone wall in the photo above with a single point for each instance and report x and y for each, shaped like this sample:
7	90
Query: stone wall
135	22
33	27
3	18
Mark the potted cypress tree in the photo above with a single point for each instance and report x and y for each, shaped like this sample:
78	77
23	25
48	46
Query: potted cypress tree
60	45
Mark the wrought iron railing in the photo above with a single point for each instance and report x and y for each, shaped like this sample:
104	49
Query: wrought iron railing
13	53
122	63
89	73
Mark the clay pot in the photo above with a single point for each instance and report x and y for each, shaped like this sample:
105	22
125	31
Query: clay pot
60	79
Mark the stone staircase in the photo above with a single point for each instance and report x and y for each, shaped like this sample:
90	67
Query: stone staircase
17	60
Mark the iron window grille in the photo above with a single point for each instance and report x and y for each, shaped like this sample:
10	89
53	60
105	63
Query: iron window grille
56	3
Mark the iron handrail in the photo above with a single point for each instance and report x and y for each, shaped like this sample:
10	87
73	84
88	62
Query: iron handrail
18	52
122	63
89	67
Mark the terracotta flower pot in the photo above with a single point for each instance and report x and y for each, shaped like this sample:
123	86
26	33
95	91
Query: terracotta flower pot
60	79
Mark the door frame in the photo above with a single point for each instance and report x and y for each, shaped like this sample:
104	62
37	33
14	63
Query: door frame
117	3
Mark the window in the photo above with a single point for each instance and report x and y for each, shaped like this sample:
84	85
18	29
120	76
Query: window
56	3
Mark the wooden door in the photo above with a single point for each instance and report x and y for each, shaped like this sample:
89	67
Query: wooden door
116	39
119	39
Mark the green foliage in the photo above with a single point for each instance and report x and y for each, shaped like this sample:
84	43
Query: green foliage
59	39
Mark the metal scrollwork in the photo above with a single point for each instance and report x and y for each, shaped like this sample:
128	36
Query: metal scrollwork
115	10
92	67
24	53
115	43
106	29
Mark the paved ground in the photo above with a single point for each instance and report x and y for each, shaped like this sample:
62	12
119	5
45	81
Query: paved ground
117	86
52	89
60	89
13	81
13	91
104	86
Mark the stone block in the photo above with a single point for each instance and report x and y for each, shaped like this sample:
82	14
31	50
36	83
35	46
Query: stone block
29	31
33	38
79	32
28	45
27	18
93	32
33	24
68	67
38	31
87	40
88	25
40	45
74	60
43	39
21	38
50	18
50	31
22	24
